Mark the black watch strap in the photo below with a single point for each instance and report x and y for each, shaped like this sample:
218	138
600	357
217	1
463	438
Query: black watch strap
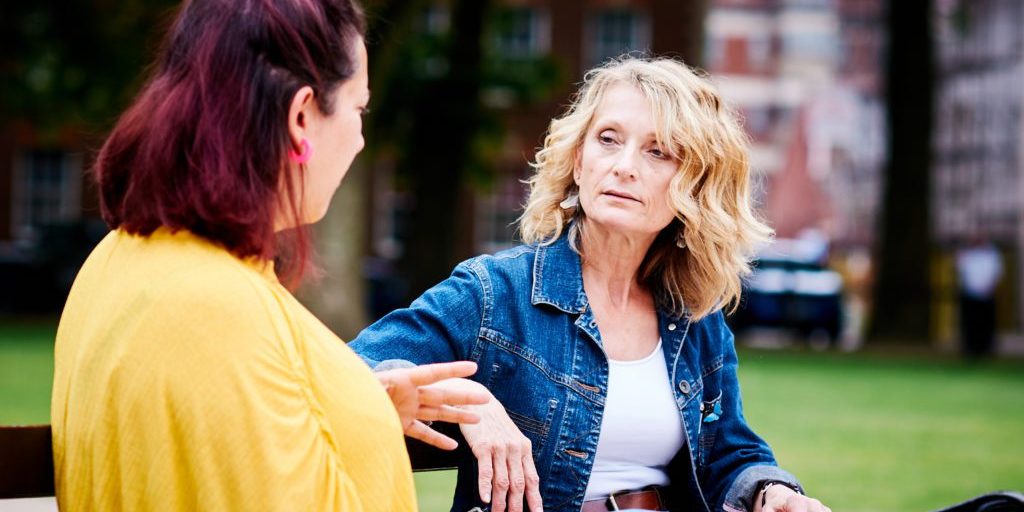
768	483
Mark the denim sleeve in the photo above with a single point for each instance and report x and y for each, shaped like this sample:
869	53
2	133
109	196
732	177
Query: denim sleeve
439	326
740	460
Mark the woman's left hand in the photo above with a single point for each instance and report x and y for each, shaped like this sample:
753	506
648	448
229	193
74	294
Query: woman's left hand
417	401
779	498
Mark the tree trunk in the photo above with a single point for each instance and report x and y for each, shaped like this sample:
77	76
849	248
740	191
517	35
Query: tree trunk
902	291
446	119
680	30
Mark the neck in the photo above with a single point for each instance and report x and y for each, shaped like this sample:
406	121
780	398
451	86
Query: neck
611	264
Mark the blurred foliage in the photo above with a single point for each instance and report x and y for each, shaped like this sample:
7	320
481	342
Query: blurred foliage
442	85
410	44
75	64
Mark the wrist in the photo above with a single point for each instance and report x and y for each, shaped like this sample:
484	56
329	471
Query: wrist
775	486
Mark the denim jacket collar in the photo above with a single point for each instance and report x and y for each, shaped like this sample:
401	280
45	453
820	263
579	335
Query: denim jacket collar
558	277
558	280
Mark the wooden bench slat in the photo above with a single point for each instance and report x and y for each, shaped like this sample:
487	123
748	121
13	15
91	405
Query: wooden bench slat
26	460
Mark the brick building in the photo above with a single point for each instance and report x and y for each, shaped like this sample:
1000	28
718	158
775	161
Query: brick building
978	181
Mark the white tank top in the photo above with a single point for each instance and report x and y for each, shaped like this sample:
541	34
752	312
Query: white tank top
641	430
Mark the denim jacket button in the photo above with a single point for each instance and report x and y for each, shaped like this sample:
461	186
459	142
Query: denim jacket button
702	407
671	327
684	387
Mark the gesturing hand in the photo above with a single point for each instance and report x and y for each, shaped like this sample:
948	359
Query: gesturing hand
417	399
504	455
779	498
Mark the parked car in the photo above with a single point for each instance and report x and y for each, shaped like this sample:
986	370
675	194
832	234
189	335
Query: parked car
791	289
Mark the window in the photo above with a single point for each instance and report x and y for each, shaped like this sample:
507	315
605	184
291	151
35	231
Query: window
714	51
522	32
759	52
614	32
47	189
811	45
498	211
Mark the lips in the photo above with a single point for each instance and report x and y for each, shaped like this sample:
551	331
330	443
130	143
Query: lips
621	195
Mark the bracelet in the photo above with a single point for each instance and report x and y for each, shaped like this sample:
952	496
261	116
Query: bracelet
769	483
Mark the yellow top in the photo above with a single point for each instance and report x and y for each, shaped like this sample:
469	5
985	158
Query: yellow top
189	379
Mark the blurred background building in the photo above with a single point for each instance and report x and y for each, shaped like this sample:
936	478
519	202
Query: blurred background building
979	138
807	76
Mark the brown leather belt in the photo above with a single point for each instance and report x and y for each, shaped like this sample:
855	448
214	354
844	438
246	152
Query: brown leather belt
646	499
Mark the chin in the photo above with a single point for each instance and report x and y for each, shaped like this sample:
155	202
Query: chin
618	222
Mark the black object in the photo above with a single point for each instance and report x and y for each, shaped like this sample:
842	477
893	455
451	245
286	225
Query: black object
999	501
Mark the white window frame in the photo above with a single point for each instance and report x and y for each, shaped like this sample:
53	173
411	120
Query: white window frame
595	52
538	40
63	198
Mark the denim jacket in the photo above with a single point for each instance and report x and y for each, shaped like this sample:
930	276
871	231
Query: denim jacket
522	315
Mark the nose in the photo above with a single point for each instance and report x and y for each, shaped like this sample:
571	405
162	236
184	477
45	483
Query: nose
626	164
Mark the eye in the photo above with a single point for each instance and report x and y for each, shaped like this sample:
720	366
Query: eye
605	138
364	111
658	153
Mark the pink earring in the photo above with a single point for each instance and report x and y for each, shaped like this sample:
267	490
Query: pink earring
303	157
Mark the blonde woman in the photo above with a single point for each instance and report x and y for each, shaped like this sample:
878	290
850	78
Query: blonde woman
602	339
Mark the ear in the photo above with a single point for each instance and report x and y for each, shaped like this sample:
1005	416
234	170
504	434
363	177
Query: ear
299	115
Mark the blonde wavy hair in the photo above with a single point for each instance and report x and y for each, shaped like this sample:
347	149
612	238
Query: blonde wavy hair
710	192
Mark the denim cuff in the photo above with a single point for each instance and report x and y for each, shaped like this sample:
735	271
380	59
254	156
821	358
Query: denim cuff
393	364
741	496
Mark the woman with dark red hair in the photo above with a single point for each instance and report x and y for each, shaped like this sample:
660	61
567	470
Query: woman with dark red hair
187	376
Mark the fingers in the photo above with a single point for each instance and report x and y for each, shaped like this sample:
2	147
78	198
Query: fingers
486	473
499	492
516	479
430	436
532	483
814	505
514	476
438	396
431	373
447	414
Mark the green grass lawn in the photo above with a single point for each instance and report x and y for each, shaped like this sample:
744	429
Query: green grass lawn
26	371
864	432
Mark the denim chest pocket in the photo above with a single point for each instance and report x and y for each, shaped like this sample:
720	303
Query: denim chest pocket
710	413
711	409
518	379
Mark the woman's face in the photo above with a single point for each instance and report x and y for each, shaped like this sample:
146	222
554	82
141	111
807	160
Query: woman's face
336	139
622	173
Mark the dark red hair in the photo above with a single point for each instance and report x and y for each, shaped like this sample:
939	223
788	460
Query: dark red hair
204	145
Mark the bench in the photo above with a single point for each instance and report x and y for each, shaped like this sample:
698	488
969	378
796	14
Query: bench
26	467
26	460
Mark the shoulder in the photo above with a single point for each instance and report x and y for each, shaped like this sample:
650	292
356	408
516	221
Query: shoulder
511	268
225	286
517	260
202	288
712	332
